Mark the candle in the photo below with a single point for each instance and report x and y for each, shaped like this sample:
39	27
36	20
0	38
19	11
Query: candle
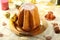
4	4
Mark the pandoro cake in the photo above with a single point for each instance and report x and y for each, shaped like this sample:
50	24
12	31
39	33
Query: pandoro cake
27	21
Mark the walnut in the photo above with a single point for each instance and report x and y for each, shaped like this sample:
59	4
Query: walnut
1	35
4	24
56	27
48	37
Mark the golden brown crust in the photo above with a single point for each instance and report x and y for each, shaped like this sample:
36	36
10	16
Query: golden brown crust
28	22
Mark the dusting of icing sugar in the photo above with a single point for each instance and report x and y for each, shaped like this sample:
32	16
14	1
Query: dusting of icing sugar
28	7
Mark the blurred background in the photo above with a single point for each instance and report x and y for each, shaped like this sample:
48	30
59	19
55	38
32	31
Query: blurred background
44	2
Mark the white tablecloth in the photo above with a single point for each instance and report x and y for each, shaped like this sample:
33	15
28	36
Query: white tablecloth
9	35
